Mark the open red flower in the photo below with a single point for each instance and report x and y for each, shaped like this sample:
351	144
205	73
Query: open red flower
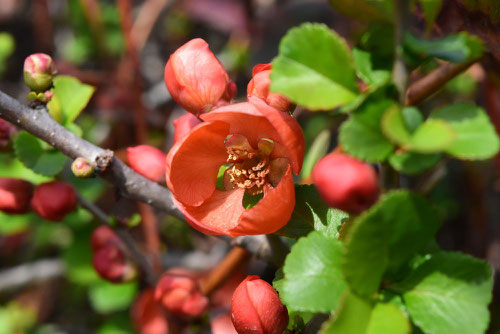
260	146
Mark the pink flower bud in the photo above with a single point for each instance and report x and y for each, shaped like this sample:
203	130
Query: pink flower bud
6	129
256	308
147	315
81	167
147	161
345	183
15	195
39	70
178	292
196	79
259	87
103	236
112	265
53	200
222	324
183	125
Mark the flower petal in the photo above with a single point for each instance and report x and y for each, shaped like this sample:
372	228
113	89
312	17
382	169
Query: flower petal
271	213
193	163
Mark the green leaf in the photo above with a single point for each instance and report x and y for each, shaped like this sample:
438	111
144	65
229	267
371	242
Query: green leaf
361	136
318	149
476	136
72	95
385	237
78	260
313	278
13	224
456	48
413	163
412	118
10	166
449	293
431	9
314	68
311	213
30	150
361	316
107	297
364	69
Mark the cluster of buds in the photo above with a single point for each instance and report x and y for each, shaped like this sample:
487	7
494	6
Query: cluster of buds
54	200
39	71
148	161
346	183
109	259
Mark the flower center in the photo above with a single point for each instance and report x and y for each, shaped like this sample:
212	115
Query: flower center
251	174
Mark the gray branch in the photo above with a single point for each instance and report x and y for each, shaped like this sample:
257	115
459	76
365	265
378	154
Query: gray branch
28	273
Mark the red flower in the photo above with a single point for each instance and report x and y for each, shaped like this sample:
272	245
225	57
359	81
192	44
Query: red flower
147	161
263	148
183	125
196	79
147	315
15	195
256	308
53	200
178	292
259	86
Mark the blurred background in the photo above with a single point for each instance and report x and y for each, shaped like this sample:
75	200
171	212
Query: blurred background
47	283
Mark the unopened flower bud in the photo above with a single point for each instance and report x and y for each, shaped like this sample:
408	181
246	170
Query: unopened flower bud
196	79
256	308
6	130
81	167
178	292
147	314
103	236
53	200
259	87
346	183
183	125
39	70
15	195
112	265
148	161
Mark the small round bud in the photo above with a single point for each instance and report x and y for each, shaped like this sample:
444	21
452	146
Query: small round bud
147	315
81	167
148	161
53	200
103	236
346	183
39	70
6	130
256	308
15	195
112	265
179	293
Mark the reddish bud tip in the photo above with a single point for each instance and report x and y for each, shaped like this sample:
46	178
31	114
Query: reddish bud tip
346	183
148	161
256	308
147	315
259	86
39	70
53	200
196	79
6	130
183	125
112	265
15	195
81	167
178	292
103	236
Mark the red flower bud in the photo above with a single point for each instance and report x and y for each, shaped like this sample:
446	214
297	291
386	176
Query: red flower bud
345	183
196	79
147	315
256	308
102	237
81	167
147	161
39	70
15	195
112	265
183	125
222	324
178	292
6	129
53	200
259	87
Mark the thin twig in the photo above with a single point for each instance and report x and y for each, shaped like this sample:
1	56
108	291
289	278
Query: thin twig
145	21
30	273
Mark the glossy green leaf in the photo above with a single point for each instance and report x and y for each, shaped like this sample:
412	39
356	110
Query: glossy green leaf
361	134
107	297
72	95
314	68
449	293
412	118
10	166
383	238
413	163
365	71
36	155
476	137
313	279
